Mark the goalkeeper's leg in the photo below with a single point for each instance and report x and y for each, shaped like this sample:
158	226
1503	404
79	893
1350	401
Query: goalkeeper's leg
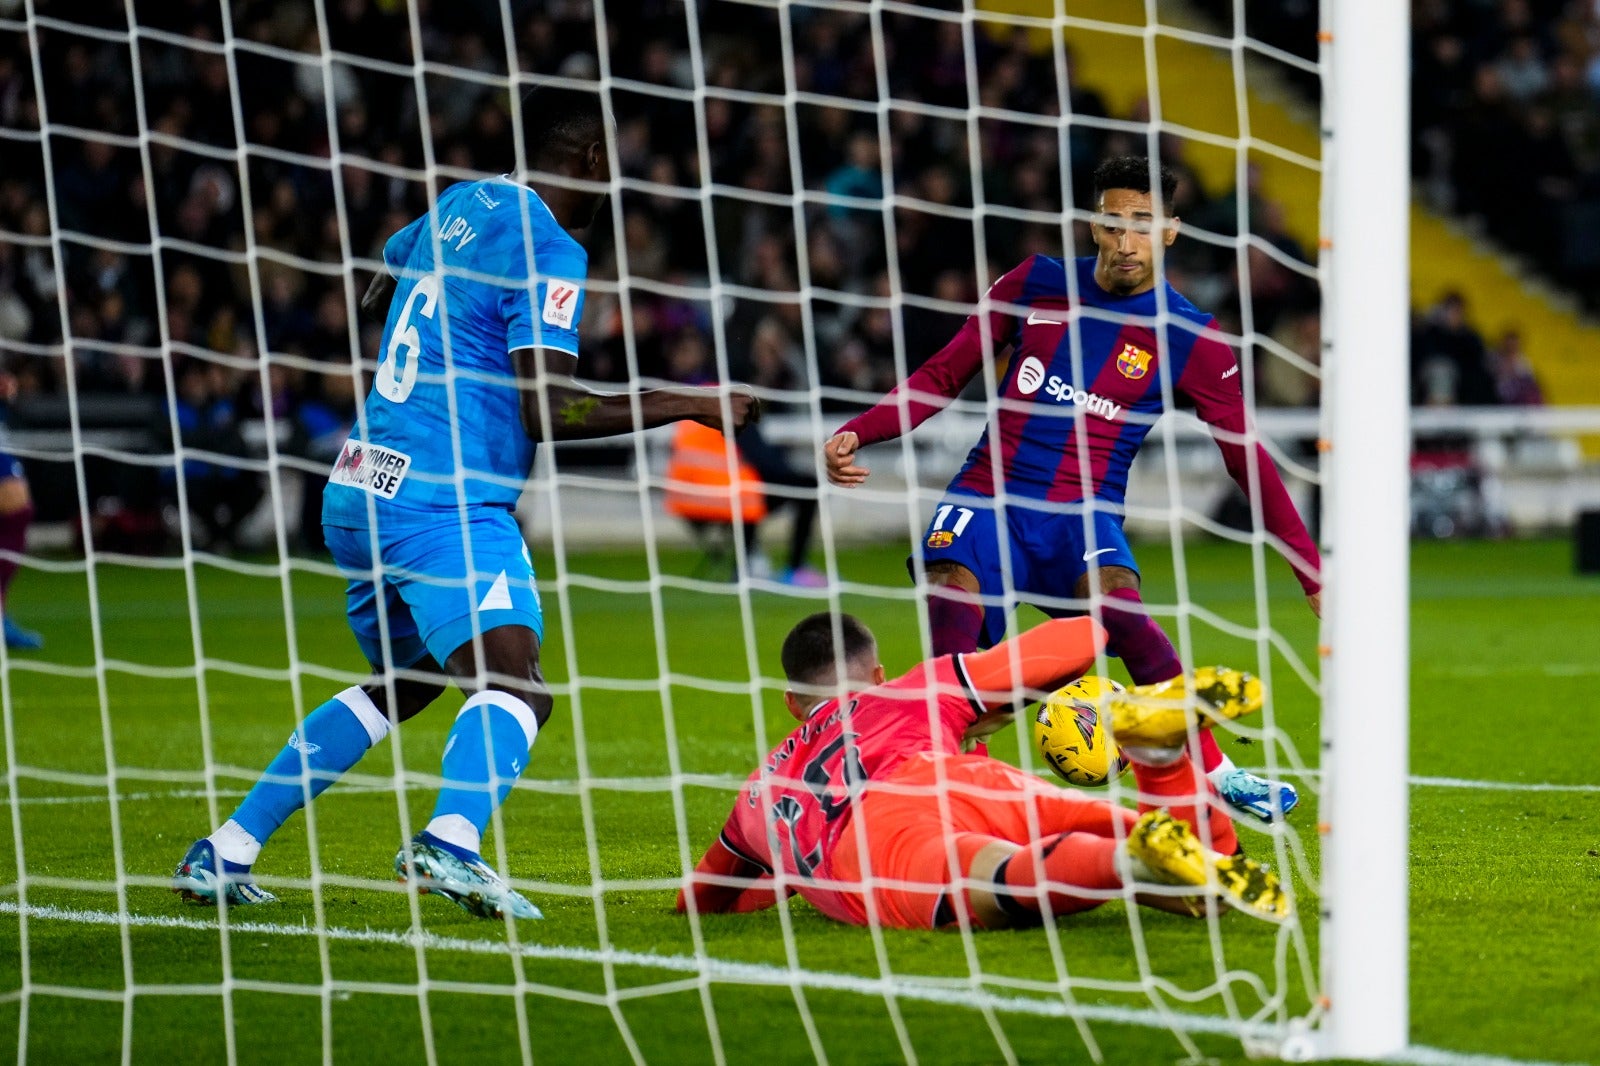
1217	693
1151	659
952	834
1076	860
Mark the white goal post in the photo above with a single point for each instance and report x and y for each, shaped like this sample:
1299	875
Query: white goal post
1366	649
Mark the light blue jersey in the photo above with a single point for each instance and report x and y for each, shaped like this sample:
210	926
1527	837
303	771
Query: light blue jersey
445	378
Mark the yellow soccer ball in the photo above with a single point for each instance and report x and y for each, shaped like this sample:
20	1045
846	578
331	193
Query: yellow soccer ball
1069	729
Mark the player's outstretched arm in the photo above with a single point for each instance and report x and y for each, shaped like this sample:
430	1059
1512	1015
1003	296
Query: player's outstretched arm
719	896
1038	660
839	458
557	406
935	384
1211	380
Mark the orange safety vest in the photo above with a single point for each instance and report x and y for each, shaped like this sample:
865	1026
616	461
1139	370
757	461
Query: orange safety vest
700	484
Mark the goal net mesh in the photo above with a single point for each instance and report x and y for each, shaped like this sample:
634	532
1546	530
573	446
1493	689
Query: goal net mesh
807	197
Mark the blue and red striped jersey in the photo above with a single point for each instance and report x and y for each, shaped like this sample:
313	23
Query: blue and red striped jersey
1089	373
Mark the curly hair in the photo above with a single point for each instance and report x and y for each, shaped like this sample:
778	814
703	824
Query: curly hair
1133	172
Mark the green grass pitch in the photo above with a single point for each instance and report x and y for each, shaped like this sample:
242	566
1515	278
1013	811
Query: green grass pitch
1504	883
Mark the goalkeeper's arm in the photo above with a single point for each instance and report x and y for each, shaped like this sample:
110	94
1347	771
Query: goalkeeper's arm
726	883
1035	662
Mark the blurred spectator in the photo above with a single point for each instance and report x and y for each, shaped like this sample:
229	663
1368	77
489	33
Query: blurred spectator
1282	383
322	421
1449	365
220	496
1522	70
859	176
1514	381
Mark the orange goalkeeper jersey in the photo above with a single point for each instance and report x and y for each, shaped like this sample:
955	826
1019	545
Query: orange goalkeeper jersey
796	805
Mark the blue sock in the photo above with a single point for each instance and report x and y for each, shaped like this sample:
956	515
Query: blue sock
479	772
330	741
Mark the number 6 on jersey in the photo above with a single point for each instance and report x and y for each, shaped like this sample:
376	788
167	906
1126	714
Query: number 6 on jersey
405	344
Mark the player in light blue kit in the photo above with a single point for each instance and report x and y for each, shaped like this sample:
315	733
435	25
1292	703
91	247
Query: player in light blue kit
476	368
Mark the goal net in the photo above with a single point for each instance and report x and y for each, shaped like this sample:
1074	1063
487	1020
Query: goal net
807	197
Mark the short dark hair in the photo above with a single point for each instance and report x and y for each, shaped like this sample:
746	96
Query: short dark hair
1133	172
559	122
808	651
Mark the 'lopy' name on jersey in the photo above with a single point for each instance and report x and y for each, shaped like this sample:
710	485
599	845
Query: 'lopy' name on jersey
455	228
371	467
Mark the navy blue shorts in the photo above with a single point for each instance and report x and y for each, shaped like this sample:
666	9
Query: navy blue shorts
1050	547
431	605
10	466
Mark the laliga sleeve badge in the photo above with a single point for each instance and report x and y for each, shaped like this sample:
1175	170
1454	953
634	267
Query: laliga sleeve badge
560	301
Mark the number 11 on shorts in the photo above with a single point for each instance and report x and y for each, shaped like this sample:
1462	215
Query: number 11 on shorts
942	515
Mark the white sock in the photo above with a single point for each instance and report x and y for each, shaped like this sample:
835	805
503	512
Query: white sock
233	844
1222	769
454	829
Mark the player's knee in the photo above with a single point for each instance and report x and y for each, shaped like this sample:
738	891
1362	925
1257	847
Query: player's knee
414	697
542	704
954	575
14	496
531	691
407	695
1109	579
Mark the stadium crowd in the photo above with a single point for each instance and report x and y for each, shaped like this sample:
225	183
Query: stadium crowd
317	194
1505	119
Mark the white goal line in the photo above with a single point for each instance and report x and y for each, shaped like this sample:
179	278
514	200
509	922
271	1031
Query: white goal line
737	972
701	781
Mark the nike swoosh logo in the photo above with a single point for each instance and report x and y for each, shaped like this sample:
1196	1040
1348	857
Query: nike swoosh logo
1036	319
1090	555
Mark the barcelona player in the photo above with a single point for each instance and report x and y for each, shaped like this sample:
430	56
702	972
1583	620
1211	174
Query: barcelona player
16	512
478	358
1091	356
871	813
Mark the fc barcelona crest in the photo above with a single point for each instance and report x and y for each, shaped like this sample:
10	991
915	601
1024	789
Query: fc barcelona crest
1134	362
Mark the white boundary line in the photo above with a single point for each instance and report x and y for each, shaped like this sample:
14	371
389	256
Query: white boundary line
180	793
1498	786
351	788
1422	1055
720	969
743	973
1418	781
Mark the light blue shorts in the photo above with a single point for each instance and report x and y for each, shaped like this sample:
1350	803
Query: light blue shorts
429	606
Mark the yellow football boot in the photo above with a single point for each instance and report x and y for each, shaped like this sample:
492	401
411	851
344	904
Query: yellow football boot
1168	853
1160	715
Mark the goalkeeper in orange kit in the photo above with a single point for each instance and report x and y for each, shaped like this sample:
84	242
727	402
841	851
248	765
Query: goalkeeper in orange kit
872	795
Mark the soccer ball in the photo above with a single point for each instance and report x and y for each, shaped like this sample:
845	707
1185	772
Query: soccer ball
1069	730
